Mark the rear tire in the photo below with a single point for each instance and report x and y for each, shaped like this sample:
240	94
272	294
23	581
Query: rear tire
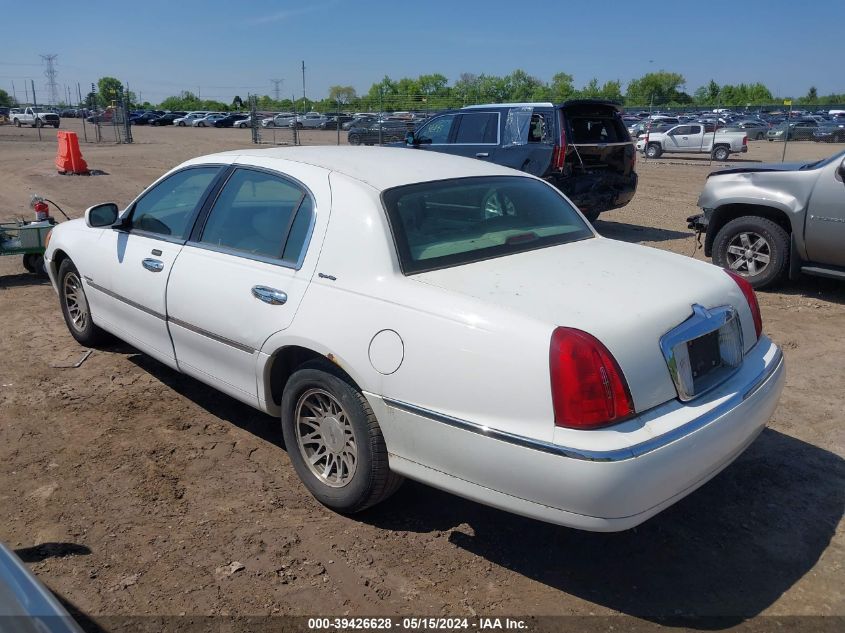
334	441
34	263
17	122
75	307
353	139
39	123
744	244
720	153
653	150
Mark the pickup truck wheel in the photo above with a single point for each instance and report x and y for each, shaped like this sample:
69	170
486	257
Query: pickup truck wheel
754	247
721	153
39	123
17	122
653	150
334	441
75	307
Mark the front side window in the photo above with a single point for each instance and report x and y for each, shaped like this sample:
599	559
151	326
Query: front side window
452	222
478	128
167	208
258	214
436	131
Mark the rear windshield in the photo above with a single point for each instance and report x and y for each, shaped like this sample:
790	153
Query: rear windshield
587	129
452	222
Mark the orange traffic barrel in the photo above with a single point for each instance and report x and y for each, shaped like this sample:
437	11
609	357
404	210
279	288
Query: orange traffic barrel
69	158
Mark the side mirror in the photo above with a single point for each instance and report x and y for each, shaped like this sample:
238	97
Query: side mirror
410	139
101	215
841	169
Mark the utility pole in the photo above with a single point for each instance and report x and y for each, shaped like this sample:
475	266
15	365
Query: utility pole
304	100
277	85
34	104
26	91
14	94
51	73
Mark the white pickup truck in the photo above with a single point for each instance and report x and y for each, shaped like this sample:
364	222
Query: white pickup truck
33	117
690	138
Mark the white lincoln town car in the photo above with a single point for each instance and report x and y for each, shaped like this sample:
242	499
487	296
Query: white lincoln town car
408	314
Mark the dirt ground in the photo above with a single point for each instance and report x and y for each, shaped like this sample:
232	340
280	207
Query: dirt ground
133	490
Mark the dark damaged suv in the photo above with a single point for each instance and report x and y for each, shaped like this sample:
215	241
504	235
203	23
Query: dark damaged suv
582	147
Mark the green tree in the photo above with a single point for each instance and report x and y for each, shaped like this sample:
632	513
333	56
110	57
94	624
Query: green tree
237	102
344	95
660	88
561	88
109	90
5	99
812	96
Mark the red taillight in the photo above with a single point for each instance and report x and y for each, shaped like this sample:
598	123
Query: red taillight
559	154
745	140
588	388
751	299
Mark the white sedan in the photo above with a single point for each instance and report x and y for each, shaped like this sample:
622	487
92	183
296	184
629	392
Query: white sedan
409	314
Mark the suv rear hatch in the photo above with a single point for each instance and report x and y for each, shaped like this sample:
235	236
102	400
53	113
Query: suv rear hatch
597	170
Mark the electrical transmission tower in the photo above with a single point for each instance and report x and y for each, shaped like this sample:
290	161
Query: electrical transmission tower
277	83
51	73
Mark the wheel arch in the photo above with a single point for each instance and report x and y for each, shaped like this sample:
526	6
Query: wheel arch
280	365
59	256
727	212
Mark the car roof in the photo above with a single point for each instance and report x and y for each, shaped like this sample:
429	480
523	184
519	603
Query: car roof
537	104
380	167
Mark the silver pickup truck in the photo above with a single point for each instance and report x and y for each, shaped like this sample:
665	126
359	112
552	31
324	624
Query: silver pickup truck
771	221
690	138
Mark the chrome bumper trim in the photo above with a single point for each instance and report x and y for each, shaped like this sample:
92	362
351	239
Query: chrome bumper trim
616	455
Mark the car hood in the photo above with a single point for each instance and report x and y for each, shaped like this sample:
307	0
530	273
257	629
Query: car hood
626	295
764	167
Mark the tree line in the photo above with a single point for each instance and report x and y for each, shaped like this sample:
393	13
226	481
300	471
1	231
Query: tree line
433	92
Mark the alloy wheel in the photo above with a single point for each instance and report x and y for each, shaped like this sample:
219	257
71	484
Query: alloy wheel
75	301
748	253
325	438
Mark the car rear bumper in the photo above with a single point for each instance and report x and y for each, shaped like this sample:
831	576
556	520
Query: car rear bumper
673	449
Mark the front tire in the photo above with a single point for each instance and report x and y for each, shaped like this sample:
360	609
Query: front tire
75	307
353	139
334	441
17	122
721	153
654	150
754	247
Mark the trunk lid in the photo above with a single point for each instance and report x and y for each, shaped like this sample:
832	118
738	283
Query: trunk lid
626	295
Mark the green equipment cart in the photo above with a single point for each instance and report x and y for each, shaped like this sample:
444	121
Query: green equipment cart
28	239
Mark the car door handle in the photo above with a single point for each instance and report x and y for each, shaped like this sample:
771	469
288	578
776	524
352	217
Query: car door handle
482	155
153	265
269	295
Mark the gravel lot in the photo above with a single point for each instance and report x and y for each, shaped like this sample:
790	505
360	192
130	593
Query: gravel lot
131	489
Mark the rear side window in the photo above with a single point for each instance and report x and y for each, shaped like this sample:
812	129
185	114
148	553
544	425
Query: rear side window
258	214
452	222
478	127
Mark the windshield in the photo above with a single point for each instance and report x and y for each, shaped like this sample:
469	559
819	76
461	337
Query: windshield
452	222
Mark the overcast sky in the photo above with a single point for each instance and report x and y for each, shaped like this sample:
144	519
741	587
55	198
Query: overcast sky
221	49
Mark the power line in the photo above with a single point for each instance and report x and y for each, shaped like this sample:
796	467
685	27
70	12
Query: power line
51	73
